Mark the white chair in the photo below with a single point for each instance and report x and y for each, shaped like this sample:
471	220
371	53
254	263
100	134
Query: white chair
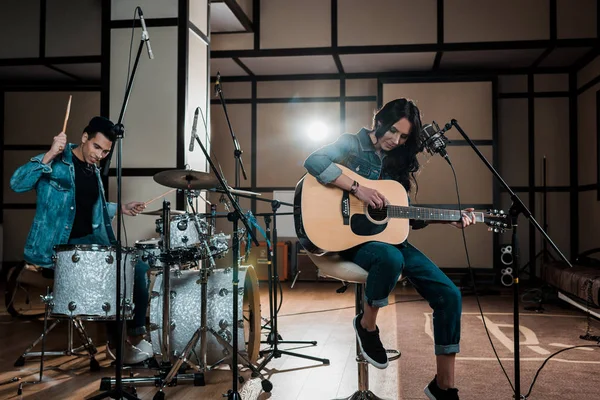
331	265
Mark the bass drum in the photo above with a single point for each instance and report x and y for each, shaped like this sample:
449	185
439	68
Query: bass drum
186	306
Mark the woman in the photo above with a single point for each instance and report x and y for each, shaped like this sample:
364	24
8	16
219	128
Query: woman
389	151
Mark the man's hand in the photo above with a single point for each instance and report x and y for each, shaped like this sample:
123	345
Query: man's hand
134	208
468	218
58	146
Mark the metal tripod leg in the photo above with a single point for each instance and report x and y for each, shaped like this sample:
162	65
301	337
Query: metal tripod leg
199	334
265	383
70	351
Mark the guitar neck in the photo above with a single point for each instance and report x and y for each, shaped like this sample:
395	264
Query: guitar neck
428	214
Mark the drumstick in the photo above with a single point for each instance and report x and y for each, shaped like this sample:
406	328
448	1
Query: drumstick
158	197
67	114
66	117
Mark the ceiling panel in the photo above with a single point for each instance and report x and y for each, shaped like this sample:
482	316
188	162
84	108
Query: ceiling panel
31	73
387	62
490	58
222	19
564	56
91	71
225	66
291	65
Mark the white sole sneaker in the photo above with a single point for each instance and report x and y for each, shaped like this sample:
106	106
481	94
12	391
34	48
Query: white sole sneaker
363	352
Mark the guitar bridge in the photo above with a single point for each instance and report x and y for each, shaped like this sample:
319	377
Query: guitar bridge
346	207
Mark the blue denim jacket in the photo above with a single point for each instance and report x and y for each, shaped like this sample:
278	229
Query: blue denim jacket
354	151
55	206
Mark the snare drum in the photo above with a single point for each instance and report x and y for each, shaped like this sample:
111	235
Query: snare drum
85	280
184	231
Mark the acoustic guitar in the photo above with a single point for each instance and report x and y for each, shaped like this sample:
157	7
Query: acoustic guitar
329	219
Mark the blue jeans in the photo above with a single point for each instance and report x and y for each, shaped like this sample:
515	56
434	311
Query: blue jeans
385	263
141	283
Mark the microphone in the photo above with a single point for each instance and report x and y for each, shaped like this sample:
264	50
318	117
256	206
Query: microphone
218	84
432	139
145	36
194	129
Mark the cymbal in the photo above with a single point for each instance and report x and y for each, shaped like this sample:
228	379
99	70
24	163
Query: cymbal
186	179
160	211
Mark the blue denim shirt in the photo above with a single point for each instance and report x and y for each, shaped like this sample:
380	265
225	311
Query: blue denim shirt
354	151
55	206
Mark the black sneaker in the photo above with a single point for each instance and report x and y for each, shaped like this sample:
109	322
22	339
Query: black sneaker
370	345
433	392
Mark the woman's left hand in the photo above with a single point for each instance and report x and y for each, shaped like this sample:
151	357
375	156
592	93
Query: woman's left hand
134	208
468	218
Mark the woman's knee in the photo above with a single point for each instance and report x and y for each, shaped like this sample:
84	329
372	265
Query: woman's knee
389	258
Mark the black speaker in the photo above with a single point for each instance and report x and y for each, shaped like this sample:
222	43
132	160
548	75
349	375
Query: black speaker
506	255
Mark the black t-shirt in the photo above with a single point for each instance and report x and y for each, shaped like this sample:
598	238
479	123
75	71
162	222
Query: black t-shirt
86	195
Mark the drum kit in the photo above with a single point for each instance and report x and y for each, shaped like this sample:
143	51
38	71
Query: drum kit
191	327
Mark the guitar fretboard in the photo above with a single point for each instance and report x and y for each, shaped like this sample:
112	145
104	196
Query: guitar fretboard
422	213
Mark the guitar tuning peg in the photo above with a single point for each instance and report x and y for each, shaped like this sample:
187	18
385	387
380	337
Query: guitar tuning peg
501	212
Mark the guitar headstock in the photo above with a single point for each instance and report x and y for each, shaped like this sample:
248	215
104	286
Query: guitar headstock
497	220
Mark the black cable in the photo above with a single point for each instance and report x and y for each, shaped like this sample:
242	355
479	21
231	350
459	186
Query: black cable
473	282
548	359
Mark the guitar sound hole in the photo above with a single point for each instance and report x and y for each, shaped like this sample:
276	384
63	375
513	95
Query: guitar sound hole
377	214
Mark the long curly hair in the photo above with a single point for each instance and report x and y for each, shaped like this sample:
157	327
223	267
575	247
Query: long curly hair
401	163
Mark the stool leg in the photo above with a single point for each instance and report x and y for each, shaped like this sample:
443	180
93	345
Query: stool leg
363	392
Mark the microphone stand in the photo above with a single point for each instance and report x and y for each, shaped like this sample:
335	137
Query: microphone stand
237	152
274	339
516	208
234	217
117	392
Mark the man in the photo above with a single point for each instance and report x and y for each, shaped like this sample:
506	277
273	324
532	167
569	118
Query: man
71	209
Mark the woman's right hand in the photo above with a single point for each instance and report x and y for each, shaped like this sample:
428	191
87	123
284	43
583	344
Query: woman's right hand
371	196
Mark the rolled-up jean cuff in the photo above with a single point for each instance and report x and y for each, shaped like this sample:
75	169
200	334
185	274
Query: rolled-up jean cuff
447	349
377	303
136	331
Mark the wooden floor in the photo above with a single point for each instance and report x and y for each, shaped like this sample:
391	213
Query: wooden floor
309	312
315	312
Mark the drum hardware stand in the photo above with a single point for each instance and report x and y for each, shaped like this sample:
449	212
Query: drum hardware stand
274	339
94	366
118	391
516	208
70	351
234	217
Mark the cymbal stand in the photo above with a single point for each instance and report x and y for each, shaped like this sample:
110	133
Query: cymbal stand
234	217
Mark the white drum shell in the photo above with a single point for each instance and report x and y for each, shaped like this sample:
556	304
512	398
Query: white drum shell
149	251
185	312
86	289
183	231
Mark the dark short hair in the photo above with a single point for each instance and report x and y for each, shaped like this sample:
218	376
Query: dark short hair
101	125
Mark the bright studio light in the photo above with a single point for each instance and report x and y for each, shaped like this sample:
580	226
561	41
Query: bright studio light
317	131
